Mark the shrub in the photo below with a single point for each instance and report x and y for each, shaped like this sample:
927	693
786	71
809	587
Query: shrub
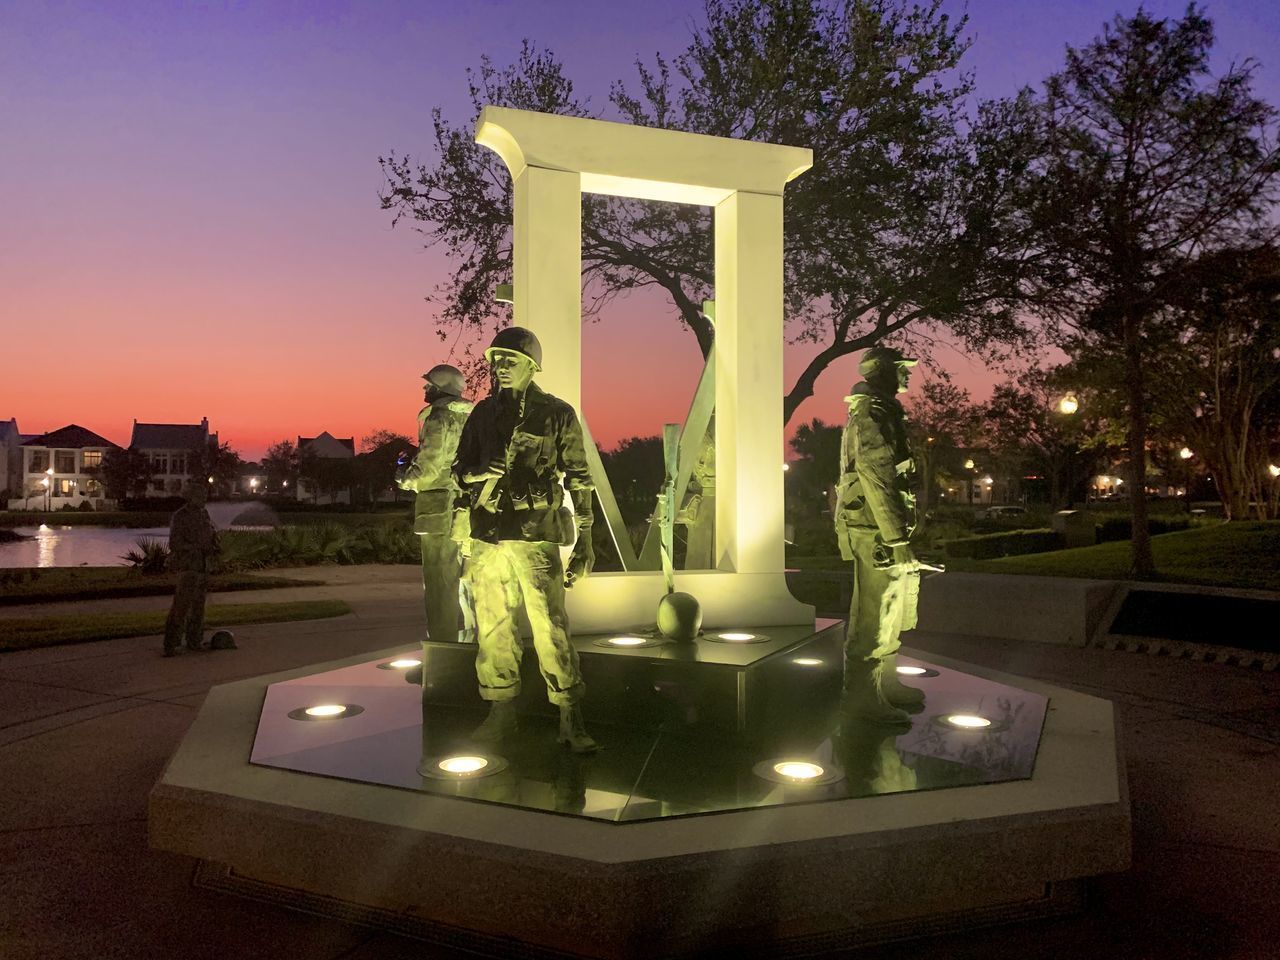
85	506
1011	544
150	557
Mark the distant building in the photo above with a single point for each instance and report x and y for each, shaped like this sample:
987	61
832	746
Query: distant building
61	468
176	452
326	461
11	440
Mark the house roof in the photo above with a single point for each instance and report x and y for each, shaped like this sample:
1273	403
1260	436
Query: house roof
327	445
72	436
169	436
9	429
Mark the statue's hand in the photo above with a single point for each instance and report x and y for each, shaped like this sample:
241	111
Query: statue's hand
904	556
497	467
580	563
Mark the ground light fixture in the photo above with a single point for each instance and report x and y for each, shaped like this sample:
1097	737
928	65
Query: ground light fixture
737	636
629	641
908	670
400	663
326	711
808	662
797	771
968	721
462	766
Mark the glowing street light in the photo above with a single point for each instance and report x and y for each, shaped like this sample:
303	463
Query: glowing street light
968	465
1185	453
1273	470
1069	404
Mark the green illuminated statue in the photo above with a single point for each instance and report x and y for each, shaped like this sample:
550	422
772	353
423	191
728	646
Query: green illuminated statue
519	449
193	544
430	477
875	517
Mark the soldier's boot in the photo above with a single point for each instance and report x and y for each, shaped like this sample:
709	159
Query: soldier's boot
499	724
573	732
865	695
897	692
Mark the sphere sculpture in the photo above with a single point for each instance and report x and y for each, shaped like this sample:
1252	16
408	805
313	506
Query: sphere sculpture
679	616
222	640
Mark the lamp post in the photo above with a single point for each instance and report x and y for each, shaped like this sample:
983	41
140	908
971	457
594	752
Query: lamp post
48	489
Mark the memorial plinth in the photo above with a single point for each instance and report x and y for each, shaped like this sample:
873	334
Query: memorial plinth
670	840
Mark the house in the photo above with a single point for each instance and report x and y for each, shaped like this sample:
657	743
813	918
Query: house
325	468
61	468
11	440
176	452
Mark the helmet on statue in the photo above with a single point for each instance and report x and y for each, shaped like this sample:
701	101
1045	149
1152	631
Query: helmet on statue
516	340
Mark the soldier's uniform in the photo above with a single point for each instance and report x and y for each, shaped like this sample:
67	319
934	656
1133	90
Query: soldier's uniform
517	525
193	543
875	511
430	476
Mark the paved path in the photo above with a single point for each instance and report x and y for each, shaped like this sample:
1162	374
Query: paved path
86	730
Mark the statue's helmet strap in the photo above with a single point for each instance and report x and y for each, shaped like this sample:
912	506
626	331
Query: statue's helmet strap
516	340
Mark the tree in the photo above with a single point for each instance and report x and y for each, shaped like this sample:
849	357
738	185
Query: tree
1030	434
376	464
1147	162
1217	386
812	476
909	224
220	462
125	473
281	465
941	421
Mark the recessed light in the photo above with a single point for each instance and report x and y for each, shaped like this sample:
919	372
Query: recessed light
401	663
737	637
326	710
912	671
968	721
798	770
629	641
626	641
795	772
807	662
462	766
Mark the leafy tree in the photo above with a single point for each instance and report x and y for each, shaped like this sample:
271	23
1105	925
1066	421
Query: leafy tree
636	474
909	224
219	461
125	473
1217	385
1147	162
281	465
376	464
812	476
941	422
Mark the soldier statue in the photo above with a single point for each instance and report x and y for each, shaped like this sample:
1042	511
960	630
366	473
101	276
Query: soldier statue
193	543
430	477
875	517
518	447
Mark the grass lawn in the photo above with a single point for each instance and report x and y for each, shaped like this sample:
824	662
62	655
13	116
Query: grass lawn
32	632
1240	555
53	584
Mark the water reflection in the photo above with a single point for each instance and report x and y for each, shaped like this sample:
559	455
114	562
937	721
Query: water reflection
52	545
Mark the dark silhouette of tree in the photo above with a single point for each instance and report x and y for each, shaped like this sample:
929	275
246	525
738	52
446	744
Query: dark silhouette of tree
125	473
281	466
909	226
1148	162
375	466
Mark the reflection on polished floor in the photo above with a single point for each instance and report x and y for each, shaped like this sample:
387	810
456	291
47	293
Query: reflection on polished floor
792	735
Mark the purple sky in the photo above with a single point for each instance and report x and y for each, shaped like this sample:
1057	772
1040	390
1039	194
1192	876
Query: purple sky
189	222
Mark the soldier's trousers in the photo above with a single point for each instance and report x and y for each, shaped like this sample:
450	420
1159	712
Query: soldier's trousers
883	604
185	622
504	575
441	569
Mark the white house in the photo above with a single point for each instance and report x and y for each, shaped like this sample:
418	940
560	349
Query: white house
325	447
11	440
61	468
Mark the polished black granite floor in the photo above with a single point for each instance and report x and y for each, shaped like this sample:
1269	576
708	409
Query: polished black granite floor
648	771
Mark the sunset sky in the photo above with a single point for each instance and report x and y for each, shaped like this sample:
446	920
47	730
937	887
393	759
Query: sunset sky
189	221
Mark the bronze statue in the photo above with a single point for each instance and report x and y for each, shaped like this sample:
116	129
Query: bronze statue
430	477
875	517
517	447
193	543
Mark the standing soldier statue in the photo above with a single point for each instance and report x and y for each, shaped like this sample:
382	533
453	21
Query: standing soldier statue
193	543
430	476
875	517
516	448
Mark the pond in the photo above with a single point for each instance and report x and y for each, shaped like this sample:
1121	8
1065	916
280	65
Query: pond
60	546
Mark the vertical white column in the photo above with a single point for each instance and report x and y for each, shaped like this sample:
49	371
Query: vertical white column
547	273
749	386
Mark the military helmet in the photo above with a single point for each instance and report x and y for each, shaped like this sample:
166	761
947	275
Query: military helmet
877	358
447	379
516	340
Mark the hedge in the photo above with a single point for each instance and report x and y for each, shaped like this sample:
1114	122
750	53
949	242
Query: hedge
1011	544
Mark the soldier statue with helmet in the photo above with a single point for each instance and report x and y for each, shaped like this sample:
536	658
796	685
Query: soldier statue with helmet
520	449
875	518
430	476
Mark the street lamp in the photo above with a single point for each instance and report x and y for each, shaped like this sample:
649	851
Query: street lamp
1069	404
1273	470
48	490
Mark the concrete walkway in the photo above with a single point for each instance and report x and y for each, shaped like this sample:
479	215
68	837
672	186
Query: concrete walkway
86	730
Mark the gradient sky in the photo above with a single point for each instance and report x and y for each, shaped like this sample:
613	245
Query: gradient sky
189	223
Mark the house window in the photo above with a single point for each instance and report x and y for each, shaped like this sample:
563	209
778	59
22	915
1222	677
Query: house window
178	463
64	488
160	462
91	459
92	488
39	461
64	461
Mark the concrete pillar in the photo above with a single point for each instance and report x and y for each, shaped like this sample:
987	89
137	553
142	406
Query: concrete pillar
749	385
547	273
